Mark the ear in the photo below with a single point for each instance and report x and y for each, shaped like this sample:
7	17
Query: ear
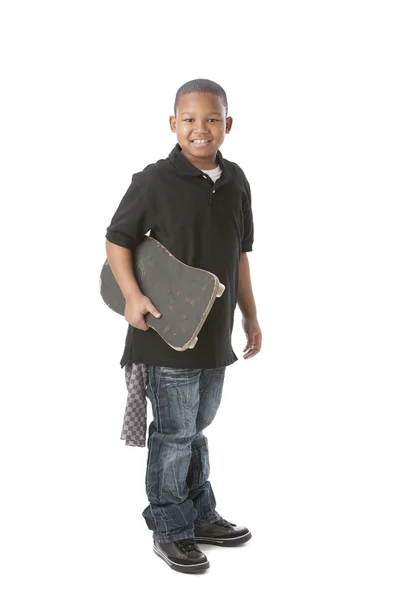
228	126
172	123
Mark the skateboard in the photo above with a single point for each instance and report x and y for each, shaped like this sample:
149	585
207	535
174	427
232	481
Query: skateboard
183	295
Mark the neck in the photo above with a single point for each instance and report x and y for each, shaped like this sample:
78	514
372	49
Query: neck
208	162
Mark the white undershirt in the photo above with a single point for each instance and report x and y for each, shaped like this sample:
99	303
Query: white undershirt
213	173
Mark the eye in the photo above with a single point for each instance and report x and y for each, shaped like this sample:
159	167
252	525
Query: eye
188	119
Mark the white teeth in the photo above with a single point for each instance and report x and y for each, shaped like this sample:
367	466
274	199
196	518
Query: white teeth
200	141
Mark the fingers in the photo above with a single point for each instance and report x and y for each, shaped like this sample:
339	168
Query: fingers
149	308
252	352
139	324
153	310
253	346
143	325
250	344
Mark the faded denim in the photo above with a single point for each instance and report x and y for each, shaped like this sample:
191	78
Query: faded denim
184	402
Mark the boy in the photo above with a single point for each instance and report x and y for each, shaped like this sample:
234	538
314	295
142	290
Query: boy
198	205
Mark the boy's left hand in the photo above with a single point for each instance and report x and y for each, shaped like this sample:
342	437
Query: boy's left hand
254	337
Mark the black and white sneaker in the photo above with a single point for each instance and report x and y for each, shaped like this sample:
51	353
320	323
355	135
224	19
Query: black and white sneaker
182	555
221	533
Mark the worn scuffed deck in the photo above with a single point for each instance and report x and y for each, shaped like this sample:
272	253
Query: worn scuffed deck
184	295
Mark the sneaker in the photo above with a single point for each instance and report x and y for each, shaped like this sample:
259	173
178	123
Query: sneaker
182	555
221	533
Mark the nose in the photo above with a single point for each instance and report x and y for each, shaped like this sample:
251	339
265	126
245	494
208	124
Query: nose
200	125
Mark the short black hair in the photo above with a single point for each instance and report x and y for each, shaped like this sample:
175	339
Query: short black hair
201	86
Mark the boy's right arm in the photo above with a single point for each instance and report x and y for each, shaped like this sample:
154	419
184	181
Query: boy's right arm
137	304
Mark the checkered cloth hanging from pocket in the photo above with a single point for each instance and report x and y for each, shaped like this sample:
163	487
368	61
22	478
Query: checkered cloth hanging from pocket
134	427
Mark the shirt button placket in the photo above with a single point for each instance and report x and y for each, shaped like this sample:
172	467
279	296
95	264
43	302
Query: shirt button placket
211	193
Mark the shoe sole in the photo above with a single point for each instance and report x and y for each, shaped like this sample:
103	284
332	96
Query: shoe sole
195	568
237	541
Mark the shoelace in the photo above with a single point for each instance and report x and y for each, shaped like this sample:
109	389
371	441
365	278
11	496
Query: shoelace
186	545
224	523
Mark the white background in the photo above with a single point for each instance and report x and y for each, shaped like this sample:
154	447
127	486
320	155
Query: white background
305	447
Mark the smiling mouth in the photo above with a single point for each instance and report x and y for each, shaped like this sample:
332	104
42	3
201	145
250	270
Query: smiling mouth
200	142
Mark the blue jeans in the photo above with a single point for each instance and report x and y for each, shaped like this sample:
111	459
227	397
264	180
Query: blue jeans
184	403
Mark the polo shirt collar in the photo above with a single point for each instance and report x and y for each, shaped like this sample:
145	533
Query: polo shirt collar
185	167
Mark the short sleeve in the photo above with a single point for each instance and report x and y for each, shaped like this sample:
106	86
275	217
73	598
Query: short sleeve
133	218
248	230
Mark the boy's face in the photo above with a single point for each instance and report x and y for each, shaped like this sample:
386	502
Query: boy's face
200	116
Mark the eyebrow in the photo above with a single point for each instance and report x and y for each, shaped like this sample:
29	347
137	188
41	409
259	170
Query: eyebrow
210	113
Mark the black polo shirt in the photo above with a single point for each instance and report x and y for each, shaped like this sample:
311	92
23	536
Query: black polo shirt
203	224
